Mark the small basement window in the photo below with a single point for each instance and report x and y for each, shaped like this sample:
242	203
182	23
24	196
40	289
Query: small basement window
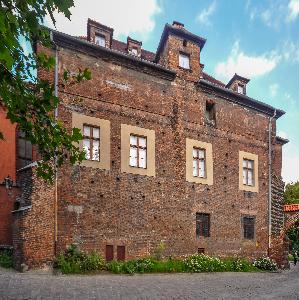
184	61
201	250
210	113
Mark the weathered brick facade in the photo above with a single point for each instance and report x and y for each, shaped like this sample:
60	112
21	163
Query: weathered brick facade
99	207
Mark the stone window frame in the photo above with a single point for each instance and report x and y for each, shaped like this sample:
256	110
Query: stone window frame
78	121
248	156
252	217
190	144
126	132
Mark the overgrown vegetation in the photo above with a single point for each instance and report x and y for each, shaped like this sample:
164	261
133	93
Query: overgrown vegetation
74	261
291	194
6	260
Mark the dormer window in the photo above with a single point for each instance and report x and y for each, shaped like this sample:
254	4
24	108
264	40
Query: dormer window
184	61
134	51
241	89
100	40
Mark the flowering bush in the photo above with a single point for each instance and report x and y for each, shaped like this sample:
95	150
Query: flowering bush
265	263
204	263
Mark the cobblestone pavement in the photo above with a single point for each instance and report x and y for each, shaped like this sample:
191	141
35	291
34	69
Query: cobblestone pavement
38	285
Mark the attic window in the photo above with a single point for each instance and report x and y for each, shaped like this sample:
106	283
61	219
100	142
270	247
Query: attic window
184	61
134	51
241	89
184	43
100	40
210	113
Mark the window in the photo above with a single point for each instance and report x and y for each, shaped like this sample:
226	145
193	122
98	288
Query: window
109	253
202	225
248	227
199	162
100	40
241	89
210	114
24	151
121	253
134	51
137	151
201	250
184	61
91	142
248	172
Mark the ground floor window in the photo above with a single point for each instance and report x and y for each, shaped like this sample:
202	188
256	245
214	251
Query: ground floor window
202	225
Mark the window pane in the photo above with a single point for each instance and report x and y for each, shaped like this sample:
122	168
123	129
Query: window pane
250	164
195	153
142	158
142	142
202	170
184	61
201	153
96	133
250	177
244	163
86	130
100	40
244	177
134	51
133	140
133	157
96	150
195	168
86	148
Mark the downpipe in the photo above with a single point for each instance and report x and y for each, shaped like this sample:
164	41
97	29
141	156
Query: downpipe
270	181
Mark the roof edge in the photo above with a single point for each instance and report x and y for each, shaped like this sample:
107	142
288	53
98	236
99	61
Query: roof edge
69	41
281	140
244	100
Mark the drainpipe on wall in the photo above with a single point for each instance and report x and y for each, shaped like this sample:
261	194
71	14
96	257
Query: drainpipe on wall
55	158
270	180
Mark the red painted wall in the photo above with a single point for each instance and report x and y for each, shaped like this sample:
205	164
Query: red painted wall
7	167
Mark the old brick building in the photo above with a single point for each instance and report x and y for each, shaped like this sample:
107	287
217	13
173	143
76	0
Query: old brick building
172	155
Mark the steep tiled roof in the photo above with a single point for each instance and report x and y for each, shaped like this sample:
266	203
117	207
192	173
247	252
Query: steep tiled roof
211	79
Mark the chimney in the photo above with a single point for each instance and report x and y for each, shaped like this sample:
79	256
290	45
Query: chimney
177	24
134	47
99	34
238	84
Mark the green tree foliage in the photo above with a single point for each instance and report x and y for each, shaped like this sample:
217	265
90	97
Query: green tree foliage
291	194
29	101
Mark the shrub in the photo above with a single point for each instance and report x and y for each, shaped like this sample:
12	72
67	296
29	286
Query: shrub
203	263
265	263
75	261
159	251
238	265
6	260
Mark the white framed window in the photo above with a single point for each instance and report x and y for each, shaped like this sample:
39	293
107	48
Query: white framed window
91	142
199	162
138	151
240	89
134	51
100	40
248	172
184	61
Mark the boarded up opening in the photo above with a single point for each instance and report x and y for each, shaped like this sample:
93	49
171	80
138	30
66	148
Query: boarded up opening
121	253
109	252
